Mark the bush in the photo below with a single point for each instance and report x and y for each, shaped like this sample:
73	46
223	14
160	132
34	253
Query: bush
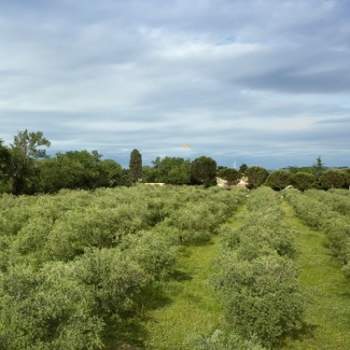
279	180
154	250
261	297
47	311
101	228
220	340
256	176
334	201
256	276
319	214
303	181
114	279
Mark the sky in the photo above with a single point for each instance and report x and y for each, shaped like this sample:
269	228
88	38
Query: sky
263	82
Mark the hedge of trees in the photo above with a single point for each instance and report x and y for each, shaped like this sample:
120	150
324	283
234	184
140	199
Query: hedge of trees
78	266
257	278
25	168
329	213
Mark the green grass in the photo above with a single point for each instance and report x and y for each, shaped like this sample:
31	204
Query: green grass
328	314
192	308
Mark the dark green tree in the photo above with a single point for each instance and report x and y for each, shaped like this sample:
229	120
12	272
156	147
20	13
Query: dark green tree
232	176
150	174
256	176
27	147
79	169
203	171
5	162
243	169
318	166
135	166
332	179
347	177
171	170
278	180
303	180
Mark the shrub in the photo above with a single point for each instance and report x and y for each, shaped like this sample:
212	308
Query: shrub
154	250
81	229
335	201
261	297
220	340
255	275
256	176
115	280
320	215
47	311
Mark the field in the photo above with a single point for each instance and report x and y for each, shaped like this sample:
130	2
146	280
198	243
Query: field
175	268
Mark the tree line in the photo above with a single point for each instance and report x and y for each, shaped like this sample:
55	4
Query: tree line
25	168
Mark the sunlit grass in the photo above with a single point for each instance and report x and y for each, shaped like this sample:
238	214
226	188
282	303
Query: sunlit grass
328	314
193	307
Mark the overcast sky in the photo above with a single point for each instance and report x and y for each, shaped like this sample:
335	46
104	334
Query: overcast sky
258	81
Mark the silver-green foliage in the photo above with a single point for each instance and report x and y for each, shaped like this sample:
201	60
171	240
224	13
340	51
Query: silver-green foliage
318	210
76	265
221	340
256	275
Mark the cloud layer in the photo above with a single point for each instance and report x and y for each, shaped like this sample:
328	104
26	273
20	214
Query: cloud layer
264	82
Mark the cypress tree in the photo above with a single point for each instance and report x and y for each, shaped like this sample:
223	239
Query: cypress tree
135	165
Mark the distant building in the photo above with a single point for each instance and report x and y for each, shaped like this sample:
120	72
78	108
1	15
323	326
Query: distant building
155	183
243	183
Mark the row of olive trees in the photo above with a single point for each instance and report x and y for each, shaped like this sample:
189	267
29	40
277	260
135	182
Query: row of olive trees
327	212
79	267
257	278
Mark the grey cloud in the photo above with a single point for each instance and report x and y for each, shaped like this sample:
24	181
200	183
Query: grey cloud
238	79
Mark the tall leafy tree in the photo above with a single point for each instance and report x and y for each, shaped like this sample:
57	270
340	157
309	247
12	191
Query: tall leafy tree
256	176
135	165
278	180
243	169
5	160
232	176
303	180
332	179
171	170
26	148
203	171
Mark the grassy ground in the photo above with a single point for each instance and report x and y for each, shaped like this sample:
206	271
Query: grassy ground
193	308
328	314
